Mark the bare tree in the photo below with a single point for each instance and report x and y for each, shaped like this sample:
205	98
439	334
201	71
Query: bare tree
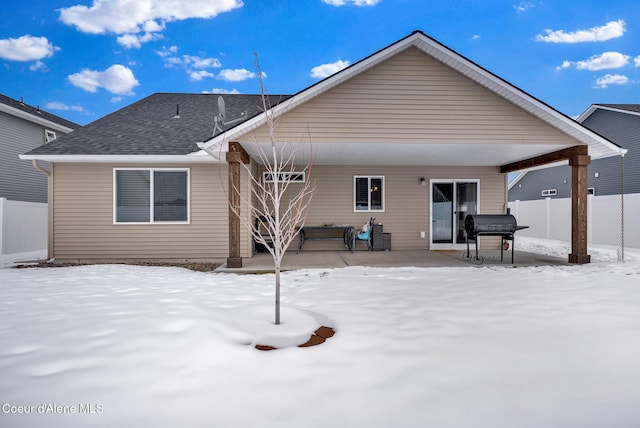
278	202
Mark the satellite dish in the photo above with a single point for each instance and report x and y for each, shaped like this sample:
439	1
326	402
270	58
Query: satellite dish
219	121
221	108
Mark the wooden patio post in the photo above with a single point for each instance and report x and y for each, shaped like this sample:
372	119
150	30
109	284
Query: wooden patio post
579	159
235	155
579	164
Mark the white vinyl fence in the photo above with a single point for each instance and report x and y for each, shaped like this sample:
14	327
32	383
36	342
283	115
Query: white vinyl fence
23	226
551	219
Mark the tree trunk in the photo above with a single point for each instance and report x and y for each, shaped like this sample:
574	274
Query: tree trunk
278	294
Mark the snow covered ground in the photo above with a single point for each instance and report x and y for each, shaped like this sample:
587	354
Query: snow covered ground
9	260
115	345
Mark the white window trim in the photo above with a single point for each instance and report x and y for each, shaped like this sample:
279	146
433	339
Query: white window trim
298	177
49	135
384	194
151	200
591	191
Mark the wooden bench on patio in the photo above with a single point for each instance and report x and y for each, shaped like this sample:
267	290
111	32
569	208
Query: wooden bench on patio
332	232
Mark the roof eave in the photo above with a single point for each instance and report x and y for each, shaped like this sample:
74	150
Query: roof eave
519	97
196	157
34	119
594	107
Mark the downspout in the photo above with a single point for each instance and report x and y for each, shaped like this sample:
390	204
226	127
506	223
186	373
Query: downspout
41	169
49	207
621	252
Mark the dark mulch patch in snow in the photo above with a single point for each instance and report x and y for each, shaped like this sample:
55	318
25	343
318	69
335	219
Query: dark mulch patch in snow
195	266
318	337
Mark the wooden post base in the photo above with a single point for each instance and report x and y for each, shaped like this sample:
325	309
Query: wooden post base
580	259
234	262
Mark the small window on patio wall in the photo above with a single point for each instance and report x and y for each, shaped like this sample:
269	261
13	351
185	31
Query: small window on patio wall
368	193
151	195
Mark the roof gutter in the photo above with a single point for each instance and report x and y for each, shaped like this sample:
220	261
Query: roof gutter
197	157
215	151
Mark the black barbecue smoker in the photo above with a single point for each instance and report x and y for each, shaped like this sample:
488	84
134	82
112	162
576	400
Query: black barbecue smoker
503	225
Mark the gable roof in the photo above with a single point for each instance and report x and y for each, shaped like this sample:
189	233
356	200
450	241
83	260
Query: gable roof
598	146
149	130
620	108
162	124
34	114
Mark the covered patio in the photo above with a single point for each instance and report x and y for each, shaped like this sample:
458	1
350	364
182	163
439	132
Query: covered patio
263	262
414	112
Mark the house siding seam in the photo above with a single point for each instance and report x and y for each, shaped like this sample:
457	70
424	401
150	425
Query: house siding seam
83	226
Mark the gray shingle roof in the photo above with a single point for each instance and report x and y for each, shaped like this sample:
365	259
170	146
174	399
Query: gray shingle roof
150	126
37	112
629	107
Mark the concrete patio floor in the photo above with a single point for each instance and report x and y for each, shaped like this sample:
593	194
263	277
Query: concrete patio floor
263	262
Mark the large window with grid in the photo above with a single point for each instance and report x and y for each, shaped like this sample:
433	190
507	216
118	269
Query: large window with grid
150	195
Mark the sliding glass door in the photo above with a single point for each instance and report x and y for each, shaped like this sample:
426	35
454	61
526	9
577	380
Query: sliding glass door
451	201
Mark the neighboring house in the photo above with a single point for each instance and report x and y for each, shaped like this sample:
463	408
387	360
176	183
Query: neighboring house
22	128
415	135
619	123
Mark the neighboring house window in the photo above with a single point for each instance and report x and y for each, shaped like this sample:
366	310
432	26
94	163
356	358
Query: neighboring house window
49	136
153	195
294	177
368	193
591	191
549	192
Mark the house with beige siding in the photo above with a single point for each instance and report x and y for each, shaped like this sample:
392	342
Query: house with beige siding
415	135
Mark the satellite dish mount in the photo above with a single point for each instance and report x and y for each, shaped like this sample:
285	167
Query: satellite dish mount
219	119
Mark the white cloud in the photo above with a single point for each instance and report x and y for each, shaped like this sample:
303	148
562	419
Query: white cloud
153	27
611	79
136	40
326	70
197	75
55	105
201	63
523	6
189	62
196	67
38	66
221	91
126	17
116	79
238	75
26	48
352	2
609	31
604	61
565	64
636	61
168	51
475	37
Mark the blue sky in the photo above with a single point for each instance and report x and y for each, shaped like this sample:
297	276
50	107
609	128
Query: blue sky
82	59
